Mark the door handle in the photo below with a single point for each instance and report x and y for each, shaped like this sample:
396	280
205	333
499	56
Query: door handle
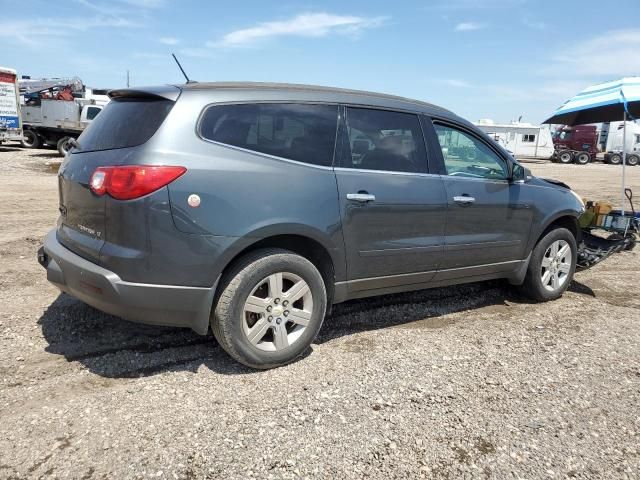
464	199
361	197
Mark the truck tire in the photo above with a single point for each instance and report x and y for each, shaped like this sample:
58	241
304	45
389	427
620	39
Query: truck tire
583	158
615	159
63	146
565	156
30	139
633	160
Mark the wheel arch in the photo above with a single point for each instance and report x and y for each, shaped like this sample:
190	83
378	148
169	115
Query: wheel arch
314	246
567	220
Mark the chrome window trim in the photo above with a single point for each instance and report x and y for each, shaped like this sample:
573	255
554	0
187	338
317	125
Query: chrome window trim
392	172
266	155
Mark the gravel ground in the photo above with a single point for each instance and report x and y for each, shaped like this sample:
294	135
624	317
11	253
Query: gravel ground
461	382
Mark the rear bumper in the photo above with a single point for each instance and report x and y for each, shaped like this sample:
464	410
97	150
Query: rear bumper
169	305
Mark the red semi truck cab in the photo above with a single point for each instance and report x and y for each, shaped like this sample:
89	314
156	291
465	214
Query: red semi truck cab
581	138
579	143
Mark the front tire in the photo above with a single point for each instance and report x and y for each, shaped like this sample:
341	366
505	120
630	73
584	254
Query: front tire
271	308
633	160
551	266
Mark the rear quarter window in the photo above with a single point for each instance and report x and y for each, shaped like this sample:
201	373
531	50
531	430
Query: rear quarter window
124	122
301	132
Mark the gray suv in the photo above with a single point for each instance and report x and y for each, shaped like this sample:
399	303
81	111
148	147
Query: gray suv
255	207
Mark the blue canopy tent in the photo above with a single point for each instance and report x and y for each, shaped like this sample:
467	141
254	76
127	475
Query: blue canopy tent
606	102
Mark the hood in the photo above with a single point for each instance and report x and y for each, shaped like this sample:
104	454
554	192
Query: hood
558	183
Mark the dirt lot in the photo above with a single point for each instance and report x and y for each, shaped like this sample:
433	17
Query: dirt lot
465	382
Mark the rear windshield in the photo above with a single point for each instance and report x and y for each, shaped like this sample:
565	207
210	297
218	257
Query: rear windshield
124	122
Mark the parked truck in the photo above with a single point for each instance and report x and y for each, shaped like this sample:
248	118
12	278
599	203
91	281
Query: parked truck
59	112
10	122
613	140
575	144
579	144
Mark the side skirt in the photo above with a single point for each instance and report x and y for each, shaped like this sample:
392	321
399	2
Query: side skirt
513	271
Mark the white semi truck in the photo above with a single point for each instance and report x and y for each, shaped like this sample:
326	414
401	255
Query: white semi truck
611	137
10	122
59	112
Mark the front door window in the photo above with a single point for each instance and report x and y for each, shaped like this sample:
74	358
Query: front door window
466	156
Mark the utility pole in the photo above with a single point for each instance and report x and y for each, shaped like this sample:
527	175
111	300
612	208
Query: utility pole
127	78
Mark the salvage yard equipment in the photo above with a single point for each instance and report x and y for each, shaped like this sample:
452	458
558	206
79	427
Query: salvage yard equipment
622	230
58	114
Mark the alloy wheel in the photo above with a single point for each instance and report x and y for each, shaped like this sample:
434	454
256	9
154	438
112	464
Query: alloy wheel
556	265
277	312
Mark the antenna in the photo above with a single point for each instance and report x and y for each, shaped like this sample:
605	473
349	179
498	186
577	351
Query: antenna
182	69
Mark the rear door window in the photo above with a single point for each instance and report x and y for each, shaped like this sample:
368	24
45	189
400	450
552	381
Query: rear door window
301	132
384	140
124	122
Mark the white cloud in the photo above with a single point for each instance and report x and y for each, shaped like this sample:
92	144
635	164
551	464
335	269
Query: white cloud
39	31
468	26
453	82
455	5
612	54
145	3
169	40
534	24
304	25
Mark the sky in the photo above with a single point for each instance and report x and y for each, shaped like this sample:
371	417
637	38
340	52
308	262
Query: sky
497	59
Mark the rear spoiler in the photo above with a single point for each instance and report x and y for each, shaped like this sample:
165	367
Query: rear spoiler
168	92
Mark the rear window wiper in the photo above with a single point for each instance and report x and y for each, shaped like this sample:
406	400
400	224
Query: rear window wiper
74	143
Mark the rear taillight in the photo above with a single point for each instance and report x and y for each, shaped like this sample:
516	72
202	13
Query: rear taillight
132	181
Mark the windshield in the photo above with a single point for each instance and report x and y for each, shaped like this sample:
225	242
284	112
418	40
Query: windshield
124	122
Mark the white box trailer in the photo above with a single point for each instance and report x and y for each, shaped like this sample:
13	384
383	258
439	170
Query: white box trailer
521	139
10	120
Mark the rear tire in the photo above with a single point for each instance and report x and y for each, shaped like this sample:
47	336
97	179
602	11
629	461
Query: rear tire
545	266
583	158
565	157
63	146
262	318
31	139
633	160
615	159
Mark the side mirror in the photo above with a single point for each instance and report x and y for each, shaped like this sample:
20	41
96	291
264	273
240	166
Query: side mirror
520	174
